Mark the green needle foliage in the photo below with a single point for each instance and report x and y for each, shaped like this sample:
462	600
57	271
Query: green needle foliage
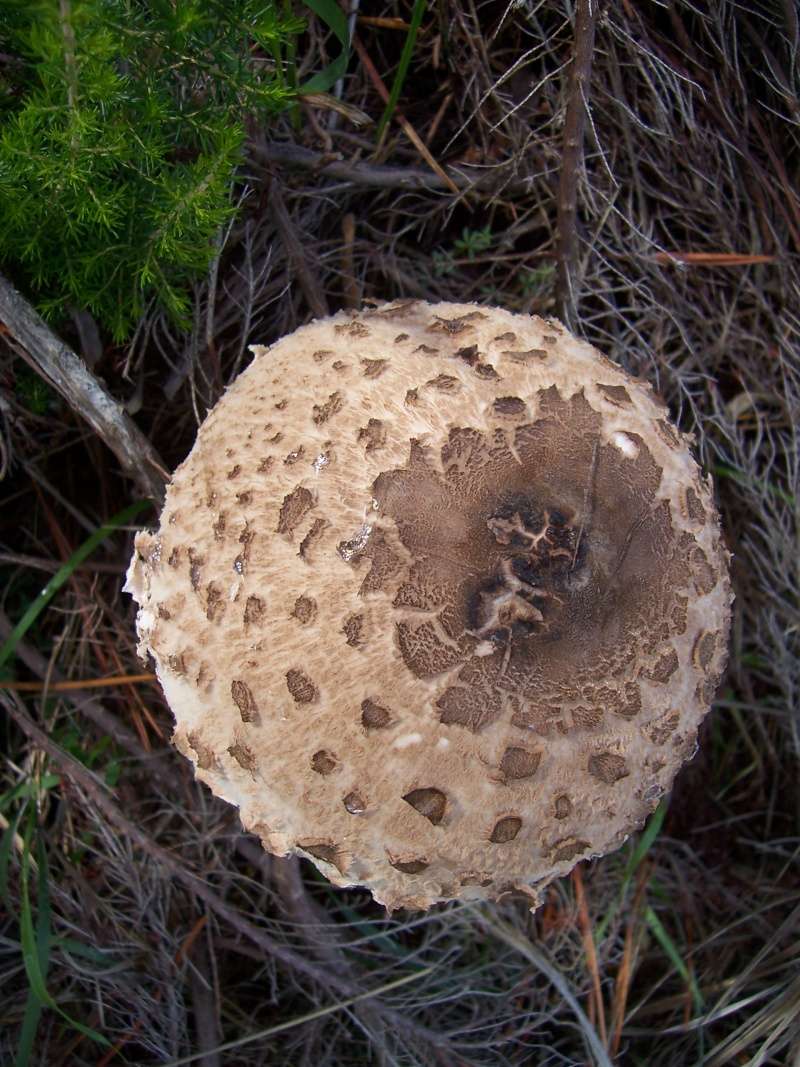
121	124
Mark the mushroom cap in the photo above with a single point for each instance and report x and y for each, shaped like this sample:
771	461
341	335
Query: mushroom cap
438	600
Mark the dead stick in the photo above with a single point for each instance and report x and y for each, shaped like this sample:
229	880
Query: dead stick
71	684
312	289
486	181
572	156
99	796
87	705
98	793
349	283
406	126
67	373
590	950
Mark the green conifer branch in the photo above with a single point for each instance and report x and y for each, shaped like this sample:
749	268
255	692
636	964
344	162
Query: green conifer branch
120	143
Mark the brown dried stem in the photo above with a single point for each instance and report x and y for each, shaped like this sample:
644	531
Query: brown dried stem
67	373
572	157
378	176
101	799
296	251
87	705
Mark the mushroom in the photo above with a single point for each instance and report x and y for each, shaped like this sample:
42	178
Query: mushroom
438	600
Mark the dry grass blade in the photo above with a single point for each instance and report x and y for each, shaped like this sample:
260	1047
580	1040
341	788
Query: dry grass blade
406	126
60	366
510	936
73	684
633	936
572	155
599	1012
712	259
310	1016
89	784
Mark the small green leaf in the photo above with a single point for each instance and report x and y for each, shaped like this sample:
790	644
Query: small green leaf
473	241
643	846
333	17
402	69
674	955
36	938
647	839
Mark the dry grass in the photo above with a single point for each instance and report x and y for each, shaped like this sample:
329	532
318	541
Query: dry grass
170	933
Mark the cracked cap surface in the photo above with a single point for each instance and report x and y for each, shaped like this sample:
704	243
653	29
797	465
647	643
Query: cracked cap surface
438	600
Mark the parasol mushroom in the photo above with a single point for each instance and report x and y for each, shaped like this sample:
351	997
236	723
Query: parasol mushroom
438	600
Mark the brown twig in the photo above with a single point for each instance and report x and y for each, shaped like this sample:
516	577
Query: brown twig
712	259
39	563
572	155
205	1003
298	260
483	180
89	706
99	796
591	953
405	125
67	373
351	294
71	684
625	973
369	174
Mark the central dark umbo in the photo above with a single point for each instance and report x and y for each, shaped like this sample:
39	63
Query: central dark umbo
538	559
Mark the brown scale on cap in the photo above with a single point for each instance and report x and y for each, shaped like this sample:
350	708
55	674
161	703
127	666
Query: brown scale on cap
462	634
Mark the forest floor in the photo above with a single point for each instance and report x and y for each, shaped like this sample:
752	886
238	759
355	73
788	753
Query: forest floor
138	923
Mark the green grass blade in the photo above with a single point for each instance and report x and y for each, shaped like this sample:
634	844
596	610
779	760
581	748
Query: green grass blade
333	17
43	936
643	846
365	930
402	70
30	1024
63	575
29	788
70	946
724	470
646	839
30	948
43	912
8	798
674	956
6	848
33	936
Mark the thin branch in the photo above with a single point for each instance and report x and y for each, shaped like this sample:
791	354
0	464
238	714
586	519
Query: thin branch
486	180
325	974
97	792
296	253
50	566
70	62
572	155
88	705
67	373
406	126
294	156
